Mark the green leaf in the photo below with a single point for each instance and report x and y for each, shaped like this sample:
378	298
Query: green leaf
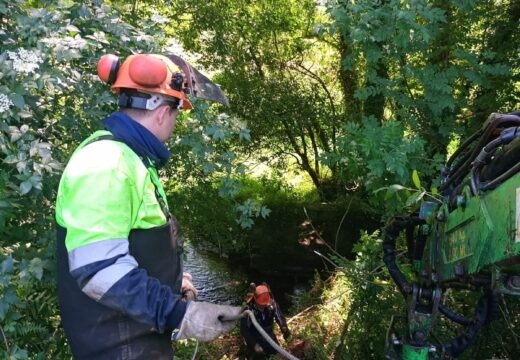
7	265
18	101
415	198
396	187
73	29
7	298
208	168
25	187
246	223
244	134
16	134
20	166
18	354
25	114
218	135
36	268
416	180
11	159
264	212
4	306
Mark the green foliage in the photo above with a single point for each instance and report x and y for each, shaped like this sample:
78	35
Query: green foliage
354	306
203	171
423	72
250	209
421	64
373	155
279	78
194	205
273	190
50	100
401	199
373	300
202	149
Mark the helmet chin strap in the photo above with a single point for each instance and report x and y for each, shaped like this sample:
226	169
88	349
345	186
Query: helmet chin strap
151	103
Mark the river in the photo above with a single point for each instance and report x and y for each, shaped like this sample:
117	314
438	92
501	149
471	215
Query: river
221	282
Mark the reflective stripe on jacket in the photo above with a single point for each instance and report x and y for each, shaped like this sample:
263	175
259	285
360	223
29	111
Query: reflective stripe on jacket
119	263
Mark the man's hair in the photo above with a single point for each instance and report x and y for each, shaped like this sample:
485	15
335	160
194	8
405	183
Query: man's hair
136	114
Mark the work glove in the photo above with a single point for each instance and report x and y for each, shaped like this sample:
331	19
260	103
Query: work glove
188	291
258	349
286	334
202	321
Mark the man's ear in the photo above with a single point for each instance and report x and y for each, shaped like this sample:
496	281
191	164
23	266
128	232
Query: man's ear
162	114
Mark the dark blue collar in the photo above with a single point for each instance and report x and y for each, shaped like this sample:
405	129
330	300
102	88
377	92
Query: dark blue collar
138	138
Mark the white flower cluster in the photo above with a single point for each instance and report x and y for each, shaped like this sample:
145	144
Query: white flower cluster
5	103
66	42
25	61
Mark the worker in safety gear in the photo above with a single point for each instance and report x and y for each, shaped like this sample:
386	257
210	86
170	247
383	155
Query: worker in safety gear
122	290
261	302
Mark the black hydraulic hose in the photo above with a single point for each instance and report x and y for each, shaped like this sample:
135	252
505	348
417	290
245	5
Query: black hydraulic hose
483	315
453	168
463	160
513	117
453	316
498	180
481	159
391	232
463	146
506	136
410	243
463	166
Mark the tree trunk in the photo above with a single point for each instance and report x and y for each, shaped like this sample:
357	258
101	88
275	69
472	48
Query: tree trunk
349	81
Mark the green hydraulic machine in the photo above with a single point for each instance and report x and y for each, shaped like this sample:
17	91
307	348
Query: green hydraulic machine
468	240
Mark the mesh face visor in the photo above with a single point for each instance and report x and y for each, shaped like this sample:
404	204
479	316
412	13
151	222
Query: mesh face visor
198	85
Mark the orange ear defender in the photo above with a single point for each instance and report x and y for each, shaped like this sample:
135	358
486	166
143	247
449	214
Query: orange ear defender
143	70
107	68
147	71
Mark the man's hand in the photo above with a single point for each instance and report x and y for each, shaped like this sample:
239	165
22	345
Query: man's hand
188	291
201	321
286	334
